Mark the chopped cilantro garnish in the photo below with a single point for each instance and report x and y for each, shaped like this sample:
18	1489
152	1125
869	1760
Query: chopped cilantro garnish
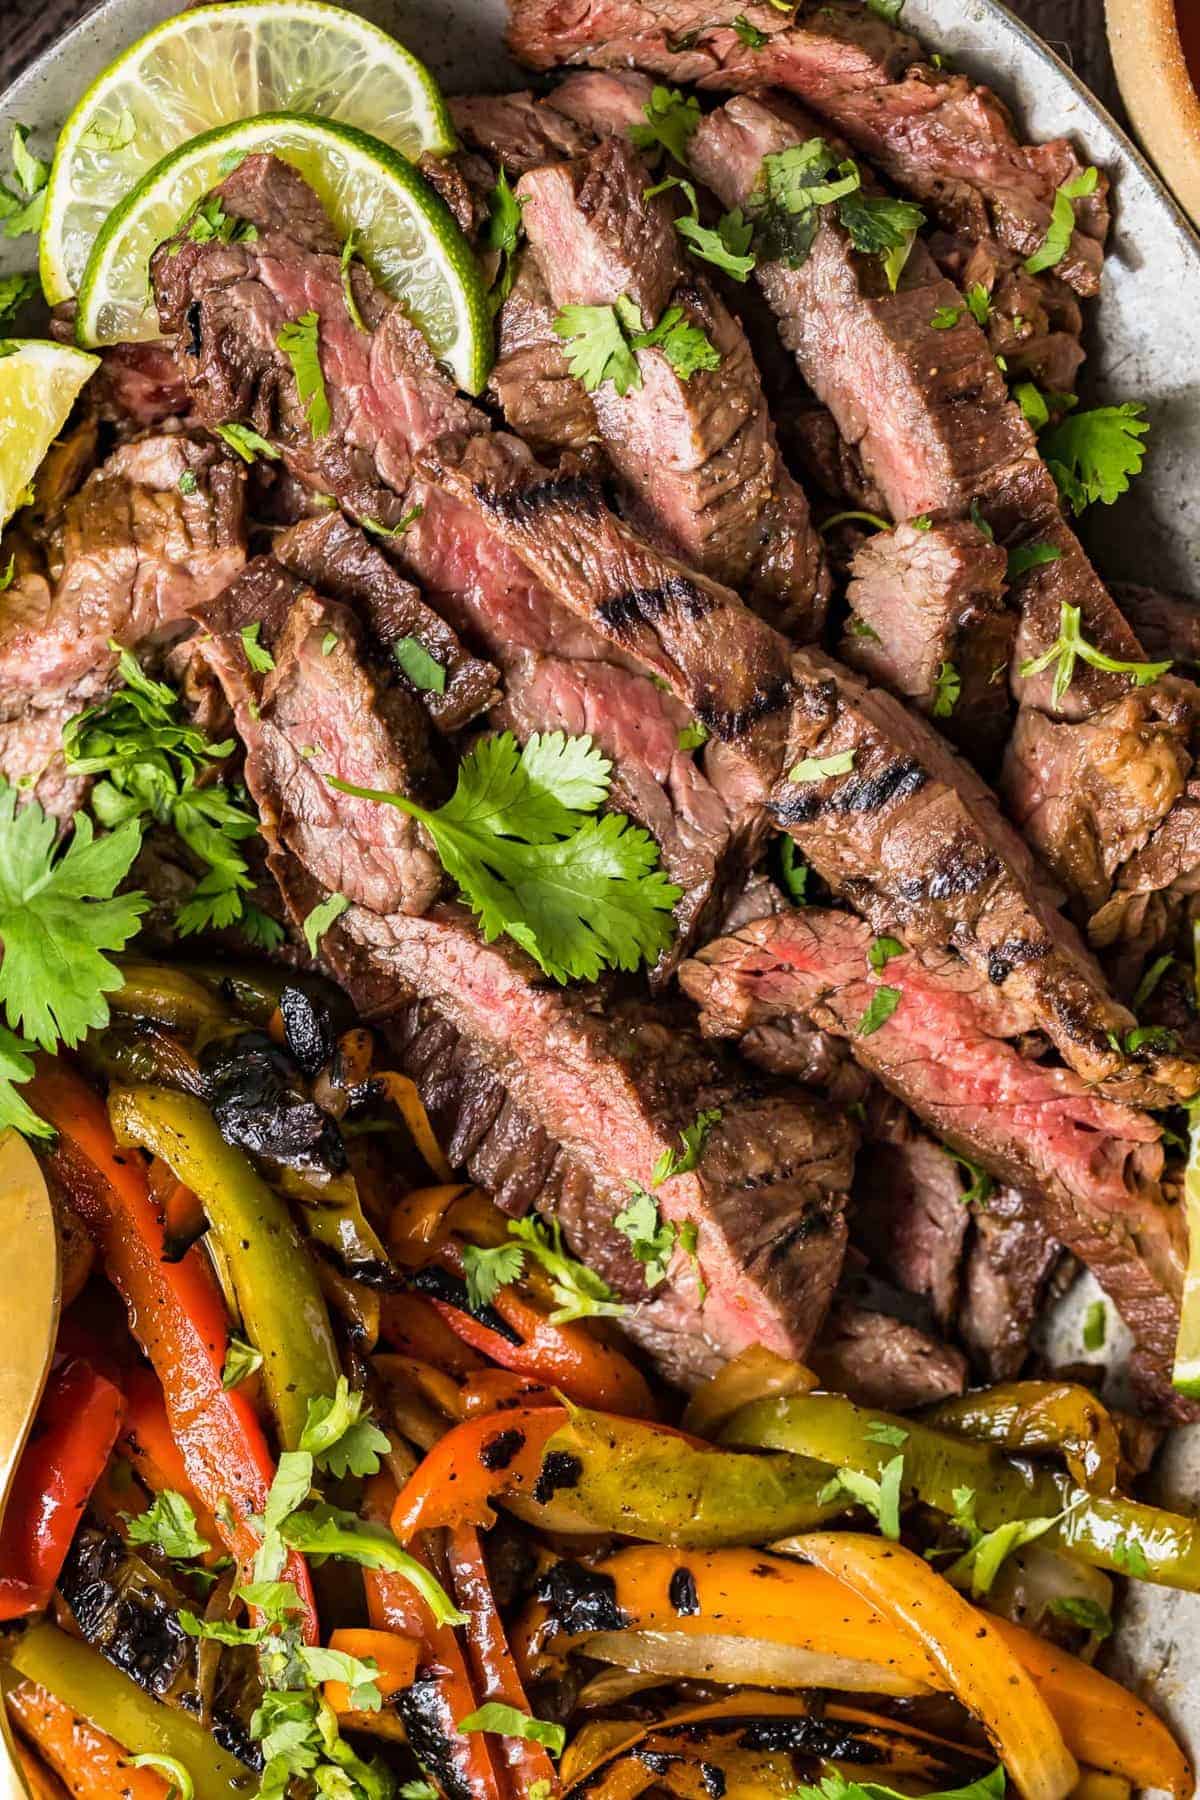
241	1360
603	342
322	916
693	1138
578	1291
1092	455
651	1237
488	1270
1071	646
502	233
1061	228
509	1721
1095	1326
339	1436
880	1498
670	122
726	246
259	658
348	251
880	1008
981	1187
15	291
749	34
1024	557
793	874
820	768
170	1525
947	686
300	342
1081	1610
693	736
423	670
245	442
881	951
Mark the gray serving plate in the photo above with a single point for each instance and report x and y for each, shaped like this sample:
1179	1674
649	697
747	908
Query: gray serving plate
1144	344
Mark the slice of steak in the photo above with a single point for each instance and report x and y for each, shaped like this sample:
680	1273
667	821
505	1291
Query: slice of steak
883	1361
319	711
332	555
937	135
1167	624
1033	321
930	415
906	831
517	131
947	1051
1008	1266
928	621
697	456
531	381
129	554
910	1219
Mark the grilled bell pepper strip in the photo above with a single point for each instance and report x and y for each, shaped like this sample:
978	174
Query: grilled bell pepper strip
491	1455
409	1323
156	1457
278	1293
175	1312
73	1436
39	1778
1041	1415
755	1373
89	1685
169	996
1111	1533
978	1665
443	1693
492	1666
91	1764
395	1658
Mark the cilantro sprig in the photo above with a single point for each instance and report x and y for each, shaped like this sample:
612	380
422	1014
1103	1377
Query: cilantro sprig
603	341
726	245
579	891
502	234
578	1291
1094	455
796	184
22	211
670	122
1061	228
1070	647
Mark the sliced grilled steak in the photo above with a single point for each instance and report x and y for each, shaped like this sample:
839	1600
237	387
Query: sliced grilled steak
947	1050
336	558
950	143
697	456
1033	321
930	416
883	1361
928	621
1008	1265
317	712
1167	624
130	554
531	381
910	1219
516	130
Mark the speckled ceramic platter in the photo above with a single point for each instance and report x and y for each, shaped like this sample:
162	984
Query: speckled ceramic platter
1143	344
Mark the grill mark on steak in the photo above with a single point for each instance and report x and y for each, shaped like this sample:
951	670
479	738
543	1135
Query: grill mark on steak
696	458
947	1051
945	140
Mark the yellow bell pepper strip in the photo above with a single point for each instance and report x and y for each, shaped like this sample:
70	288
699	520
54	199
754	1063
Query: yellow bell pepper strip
169	996
978	1665
1041	1415
89	1685
1122	1536
279	1296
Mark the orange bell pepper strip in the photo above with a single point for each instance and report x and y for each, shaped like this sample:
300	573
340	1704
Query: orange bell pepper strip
156	1457
176	1312
492	1665
91	1765
411	1325
443	1681
492	1454
71	1441
395	1658
42	1784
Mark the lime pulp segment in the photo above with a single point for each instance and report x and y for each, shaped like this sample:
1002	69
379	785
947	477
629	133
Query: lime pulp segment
39	383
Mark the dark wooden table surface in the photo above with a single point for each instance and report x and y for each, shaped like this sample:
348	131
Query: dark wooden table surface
1074	27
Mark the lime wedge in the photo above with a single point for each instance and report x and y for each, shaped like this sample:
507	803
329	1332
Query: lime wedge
402	230
39	383
213	66
1186	1375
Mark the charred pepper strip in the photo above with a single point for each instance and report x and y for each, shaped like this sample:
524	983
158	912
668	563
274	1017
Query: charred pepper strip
1115	1534
1041	1415
278	1293
91	1686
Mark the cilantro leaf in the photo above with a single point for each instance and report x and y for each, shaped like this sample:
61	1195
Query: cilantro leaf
30	171
170	1525
1095	1326
878	225
793	875
358	1673
509	1721
1061	228
819	768
1032	402
835	1786
323	1531
488	1270
881	951
1071	646
300	342
1023	557
670	122
945	318
693	736
979	303
880	1498
1129	1556
246	442
339	1436
882	1005
1092	455
651	1237
423	670
259	928
879	1431
578	892
241	1360
597	348
726	245
980	1565
16	1066
15	290
947	687
260	659
398	529
322	916
749	34
1080	1610
349	250
221	1631
59	916
982	1184
686	347
693	1138
503	233
578	1290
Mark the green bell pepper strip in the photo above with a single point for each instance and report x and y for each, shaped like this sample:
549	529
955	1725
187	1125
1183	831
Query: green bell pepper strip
279	1297
151	990
90	1685
1120	1535
1020	1416
636	1478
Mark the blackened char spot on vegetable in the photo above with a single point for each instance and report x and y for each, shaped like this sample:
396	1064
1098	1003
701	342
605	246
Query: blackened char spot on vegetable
441	1285
258	1103
581	1600
574	493
682	1593
307	1029
428	1727
822	1738
713	1781
560	1469
497	1452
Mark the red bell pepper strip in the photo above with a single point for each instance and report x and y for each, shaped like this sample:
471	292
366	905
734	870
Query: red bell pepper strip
491	1454
412	1325
72	1439
176	1312
146	1440
393	1604
492	1663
